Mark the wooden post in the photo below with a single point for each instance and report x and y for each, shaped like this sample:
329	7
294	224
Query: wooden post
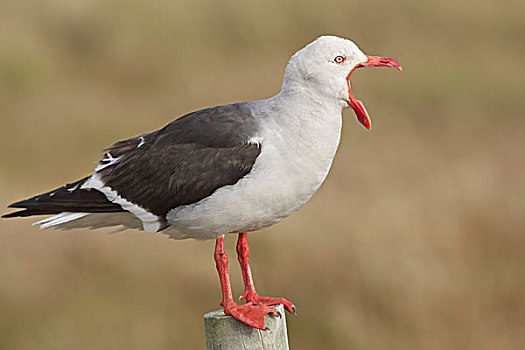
226	333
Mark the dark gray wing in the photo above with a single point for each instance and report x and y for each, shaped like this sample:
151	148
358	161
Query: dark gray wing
180	164
185	161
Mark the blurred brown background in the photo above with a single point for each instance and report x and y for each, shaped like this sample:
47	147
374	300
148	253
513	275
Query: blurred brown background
415	241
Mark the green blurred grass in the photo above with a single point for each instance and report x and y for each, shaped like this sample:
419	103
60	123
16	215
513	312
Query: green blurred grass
414	242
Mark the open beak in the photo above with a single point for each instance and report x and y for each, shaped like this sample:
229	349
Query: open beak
357	106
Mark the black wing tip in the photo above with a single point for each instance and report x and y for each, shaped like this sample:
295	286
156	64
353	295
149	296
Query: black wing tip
21	204
68	198
28	212
29	202
13	214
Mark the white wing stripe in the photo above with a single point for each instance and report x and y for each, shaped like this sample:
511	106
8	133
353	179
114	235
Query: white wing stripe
150	222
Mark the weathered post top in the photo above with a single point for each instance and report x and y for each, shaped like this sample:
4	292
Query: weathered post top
226	333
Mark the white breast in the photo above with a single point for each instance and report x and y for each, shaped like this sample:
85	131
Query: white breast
297	149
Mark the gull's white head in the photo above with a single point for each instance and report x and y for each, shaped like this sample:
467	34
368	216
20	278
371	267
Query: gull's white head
323	68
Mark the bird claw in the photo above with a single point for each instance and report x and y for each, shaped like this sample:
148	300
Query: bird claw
256	299
251	314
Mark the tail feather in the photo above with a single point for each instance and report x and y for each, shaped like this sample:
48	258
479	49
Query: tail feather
66	221
69	198
59	219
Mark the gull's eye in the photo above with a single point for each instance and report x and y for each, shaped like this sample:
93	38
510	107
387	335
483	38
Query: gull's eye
339	59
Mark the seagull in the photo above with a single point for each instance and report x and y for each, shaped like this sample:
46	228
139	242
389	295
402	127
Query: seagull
235	168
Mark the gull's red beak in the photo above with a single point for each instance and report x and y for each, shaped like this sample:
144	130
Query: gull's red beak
357	106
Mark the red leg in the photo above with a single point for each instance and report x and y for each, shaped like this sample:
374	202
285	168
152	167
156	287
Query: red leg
243	254
250	313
